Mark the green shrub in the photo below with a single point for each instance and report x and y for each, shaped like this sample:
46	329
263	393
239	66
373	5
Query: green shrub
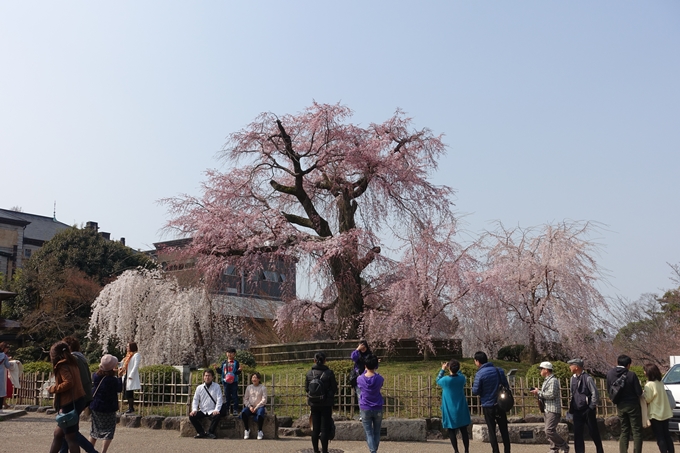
469	370
94	367
511	353
28	354
340	368
157	380
246	358
560	369
38	367
640	372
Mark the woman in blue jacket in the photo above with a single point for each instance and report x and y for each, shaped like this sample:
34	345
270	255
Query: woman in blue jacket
455	410
105	389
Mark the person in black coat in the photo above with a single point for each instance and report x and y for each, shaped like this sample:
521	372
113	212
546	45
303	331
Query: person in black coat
627	404
105	388
321	408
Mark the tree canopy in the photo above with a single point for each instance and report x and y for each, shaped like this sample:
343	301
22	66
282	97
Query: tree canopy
57	285
314	187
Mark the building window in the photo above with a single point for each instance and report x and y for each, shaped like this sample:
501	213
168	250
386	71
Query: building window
271	276
27	253
282	277
230	270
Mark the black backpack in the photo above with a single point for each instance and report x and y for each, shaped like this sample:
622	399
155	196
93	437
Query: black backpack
616	389
316	391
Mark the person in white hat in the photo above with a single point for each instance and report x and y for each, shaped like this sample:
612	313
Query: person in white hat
551	395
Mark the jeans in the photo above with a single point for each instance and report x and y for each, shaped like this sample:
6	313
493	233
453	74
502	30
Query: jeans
663	436
372	421
492	416
231	396
258	416
581	419
630	416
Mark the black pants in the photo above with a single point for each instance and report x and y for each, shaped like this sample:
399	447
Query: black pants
463	434
581	420
196	421
321	426
496	416
662	435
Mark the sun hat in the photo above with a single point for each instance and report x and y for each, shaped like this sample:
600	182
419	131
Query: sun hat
108	362
546	365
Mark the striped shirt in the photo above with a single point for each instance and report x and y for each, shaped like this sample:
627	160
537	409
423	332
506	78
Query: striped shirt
551	394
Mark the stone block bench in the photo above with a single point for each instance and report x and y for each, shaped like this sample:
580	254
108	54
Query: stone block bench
391	429
232	427
521	433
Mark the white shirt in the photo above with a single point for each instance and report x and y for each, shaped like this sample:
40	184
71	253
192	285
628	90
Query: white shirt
202	400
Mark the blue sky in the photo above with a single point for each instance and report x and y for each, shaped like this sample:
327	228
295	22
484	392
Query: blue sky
551	110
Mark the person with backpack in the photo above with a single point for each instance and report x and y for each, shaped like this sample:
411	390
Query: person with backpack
583	407
624	390
321	387
487	381
371	402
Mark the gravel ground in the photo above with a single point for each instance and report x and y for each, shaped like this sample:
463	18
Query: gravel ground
33	433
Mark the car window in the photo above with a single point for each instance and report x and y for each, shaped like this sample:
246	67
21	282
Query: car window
673	375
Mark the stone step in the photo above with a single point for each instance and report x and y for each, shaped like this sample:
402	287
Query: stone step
520	433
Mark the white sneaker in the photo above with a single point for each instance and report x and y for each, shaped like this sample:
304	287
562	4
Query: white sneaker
260	435
246	435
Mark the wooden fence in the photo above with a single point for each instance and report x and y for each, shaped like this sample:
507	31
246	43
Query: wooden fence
404	396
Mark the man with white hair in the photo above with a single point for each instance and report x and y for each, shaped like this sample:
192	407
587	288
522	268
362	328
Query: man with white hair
551	395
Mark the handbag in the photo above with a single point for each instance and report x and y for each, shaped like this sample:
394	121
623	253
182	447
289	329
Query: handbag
70	418
671	398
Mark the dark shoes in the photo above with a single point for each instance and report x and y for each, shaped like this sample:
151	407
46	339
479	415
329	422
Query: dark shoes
205	436
129	411
235	413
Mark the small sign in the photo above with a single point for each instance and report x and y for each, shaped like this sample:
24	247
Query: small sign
526	434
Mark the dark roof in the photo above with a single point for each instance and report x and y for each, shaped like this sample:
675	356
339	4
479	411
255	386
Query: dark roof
38	227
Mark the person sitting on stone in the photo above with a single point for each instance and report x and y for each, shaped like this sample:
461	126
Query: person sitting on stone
207	403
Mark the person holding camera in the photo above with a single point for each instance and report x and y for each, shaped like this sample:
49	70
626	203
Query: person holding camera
455	410
551	395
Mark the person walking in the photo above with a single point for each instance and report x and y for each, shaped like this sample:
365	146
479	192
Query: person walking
371	402
486	383
86	381
583	407
627	403
321	387
455	409
659	408
551	395
104	403
130	371
69	394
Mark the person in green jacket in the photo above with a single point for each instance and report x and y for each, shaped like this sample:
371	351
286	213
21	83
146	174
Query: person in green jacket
658	408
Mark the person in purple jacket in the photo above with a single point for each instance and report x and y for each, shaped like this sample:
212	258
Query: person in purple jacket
105	389
371	402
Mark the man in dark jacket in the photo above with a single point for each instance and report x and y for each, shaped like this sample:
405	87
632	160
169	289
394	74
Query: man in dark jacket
583	407
321	408
486	383
627	404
